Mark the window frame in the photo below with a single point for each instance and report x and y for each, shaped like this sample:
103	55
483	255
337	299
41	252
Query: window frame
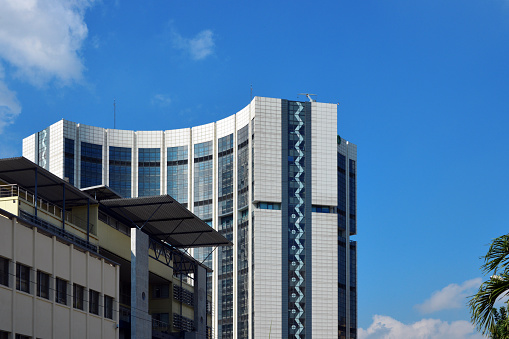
108	307
161	291
22	278
4	271
93	302
61	291
78	297
43	288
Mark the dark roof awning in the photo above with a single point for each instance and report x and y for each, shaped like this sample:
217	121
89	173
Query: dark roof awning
102	192
26	174
164	218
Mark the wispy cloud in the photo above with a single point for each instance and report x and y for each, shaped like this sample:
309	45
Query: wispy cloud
449	297
384	327
10	107
198	47
161	100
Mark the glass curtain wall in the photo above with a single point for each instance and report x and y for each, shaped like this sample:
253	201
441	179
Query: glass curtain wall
149	171
91	164
177	173
69	160
242	231
225	255
120	170
203	192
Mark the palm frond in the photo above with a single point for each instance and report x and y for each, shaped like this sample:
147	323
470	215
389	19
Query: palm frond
497	257
481	304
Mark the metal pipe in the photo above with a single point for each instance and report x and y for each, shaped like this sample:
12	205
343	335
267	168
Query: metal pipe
88	220
63	209
35	197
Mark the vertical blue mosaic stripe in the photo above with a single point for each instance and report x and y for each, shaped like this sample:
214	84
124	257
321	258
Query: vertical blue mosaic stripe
296	223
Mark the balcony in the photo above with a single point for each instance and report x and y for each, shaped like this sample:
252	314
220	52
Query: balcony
21	202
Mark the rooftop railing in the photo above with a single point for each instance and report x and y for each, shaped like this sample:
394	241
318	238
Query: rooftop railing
12	190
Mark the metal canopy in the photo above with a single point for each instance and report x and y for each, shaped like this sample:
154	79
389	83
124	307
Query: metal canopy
162	217
26	174
102	192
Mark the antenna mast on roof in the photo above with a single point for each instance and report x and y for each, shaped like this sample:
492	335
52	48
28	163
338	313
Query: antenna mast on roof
309	96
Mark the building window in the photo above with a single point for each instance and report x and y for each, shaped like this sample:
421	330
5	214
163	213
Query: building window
42	285
21	336
321	209
61	291
93	302
4	335
108	307
69	160
177	172
149	171
91	164
269	206
120	170
23	278
162	317
4	271
78	296
161	291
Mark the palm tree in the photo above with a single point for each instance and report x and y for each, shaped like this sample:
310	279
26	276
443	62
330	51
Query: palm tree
482	303
501	326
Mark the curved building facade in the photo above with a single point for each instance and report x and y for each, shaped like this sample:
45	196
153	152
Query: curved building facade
274	178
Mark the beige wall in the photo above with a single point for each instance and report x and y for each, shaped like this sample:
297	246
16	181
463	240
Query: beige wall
27	314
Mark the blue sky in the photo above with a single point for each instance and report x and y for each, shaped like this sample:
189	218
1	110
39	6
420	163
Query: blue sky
423	88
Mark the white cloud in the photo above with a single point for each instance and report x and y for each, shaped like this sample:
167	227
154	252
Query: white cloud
449	297
10	107
42	38
161	100
384	327
199	47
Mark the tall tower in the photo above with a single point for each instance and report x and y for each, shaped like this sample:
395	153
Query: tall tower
274	178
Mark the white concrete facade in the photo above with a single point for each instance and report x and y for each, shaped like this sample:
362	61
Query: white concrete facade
261	242
28	313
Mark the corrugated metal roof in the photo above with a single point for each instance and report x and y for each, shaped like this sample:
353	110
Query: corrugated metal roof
26	174
163	217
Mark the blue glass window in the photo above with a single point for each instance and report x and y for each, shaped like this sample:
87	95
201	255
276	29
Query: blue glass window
91	164
120	170
269	206
243	167
177	173
225	174
203	176
352	197
69	160
149	171
321	209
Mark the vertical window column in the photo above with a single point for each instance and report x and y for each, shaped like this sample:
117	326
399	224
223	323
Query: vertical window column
242	231
91	164
177	172
120	170
149	171
69	160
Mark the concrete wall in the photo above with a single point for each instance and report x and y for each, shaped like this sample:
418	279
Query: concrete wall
28	314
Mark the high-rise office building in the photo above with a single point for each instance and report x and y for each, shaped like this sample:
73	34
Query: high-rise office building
274	178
